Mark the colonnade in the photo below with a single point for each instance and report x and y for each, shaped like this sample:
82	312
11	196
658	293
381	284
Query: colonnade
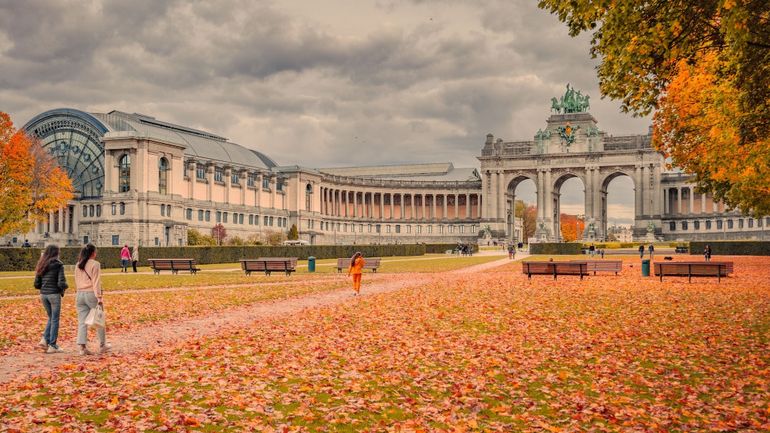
64	220
400	206
680	200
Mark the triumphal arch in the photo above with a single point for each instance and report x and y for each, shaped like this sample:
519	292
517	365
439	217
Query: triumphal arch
571	145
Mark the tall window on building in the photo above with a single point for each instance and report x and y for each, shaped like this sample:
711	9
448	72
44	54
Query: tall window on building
265	182
114	207
163	176
219	175
251	180
234	179
208	215
309	197
200	214
124	173
122	208
189	213
200	171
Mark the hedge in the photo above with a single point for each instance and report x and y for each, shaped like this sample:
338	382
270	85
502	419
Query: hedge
732	248
556	248
442	248
24	259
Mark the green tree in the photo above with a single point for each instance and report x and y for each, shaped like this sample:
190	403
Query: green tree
293	234
725	45
194	237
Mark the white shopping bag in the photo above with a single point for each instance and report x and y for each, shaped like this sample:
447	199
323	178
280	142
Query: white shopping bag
96	317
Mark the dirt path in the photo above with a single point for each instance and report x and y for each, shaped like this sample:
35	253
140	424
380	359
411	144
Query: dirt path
24	365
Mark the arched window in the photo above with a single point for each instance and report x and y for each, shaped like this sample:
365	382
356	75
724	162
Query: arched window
122	208
163	176
98	210
124	173
91	210
309	197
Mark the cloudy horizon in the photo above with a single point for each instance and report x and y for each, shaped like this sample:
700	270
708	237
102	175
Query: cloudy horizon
316	84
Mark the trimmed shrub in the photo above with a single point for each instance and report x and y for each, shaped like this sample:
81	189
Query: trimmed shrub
556	248
24	259
732	248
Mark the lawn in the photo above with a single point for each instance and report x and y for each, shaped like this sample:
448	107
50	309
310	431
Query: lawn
475	352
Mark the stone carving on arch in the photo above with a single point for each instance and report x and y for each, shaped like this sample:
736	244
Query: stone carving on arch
559	176
514	179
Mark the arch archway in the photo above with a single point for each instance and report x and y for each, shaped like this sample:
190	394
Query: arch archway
568	198
618	202
520	221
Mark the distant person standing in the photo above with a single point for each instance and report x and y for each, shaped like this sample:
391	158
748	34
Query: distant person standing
591	250
50	280
641	251
356	268
602	252
135	257
707	253
511	251
125	257
651	249
26	244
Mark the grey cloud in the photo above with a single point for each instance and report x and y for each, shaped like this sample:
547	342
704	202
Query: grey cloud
302	91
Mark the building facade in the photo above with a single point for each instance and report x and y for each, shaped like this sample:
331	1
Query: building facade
139	180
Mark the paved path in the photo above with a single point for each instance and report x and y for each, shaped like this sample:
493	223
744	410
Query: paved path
20	366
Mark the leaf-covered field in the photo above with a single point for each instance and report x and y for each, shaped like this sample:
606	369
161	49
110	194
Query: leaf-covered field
24	319
473	352
212	275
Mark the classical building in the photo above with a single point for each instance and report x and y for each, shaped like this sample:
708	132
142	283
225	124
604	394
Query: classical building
142	180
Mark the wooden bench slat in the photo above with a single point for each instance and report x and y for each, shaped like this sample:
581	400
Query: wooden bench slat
173	265
693	269
554	268
269	265
372	263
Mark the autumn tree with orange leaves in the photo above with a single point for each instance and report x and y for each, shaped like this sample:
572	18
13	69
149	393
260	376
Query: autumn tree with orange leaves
31	182
703	67
571	227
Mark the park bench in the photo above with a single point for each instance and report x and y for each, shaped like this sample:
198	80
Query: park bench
371	263
602	265
554	268
173	265
693	269
269	265
681	250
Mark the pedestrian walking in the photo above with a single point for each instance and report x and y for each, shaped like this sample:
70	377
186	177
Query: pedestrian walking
125	257
135	257
707	253
602	252
651	249
641	251
51	282
591	250
357	263
511	251
89	286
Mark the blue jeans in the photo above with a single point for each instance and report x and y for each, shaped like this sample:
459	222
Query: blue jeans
84	302
52	305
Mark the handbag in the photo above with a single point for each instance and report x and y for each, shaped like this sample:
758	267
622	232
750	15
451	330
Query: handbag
96	317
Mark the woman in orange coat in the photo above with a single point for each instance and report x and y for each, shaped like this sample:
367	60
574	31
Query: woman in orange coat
357	263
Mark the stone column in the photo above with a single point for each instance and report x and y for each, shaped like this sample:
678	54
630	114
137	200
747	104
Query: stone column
355	204
692	201
467	206
548	197
401	205
242	180
656	176
703	203
209	181
445	204
486	187
638	192
433	206
540	194
413	215
392	206
588	195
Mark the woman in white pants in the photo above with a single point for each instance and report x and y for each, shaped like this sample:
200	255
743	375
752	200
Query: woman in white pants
89	286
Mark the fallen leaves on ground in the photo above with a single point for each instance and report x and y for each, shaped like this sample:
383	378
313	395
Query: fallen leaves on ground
472	352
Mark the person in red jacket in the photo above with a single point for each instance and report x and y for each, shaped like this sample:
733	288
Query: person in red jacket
357	263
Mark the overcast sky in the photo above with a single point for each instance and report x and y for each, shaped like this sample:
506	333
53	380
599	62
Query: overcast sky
315	83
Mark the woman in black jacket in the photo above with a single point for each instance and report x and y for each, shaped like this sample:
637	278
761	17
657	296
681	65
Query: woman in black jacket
50	280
